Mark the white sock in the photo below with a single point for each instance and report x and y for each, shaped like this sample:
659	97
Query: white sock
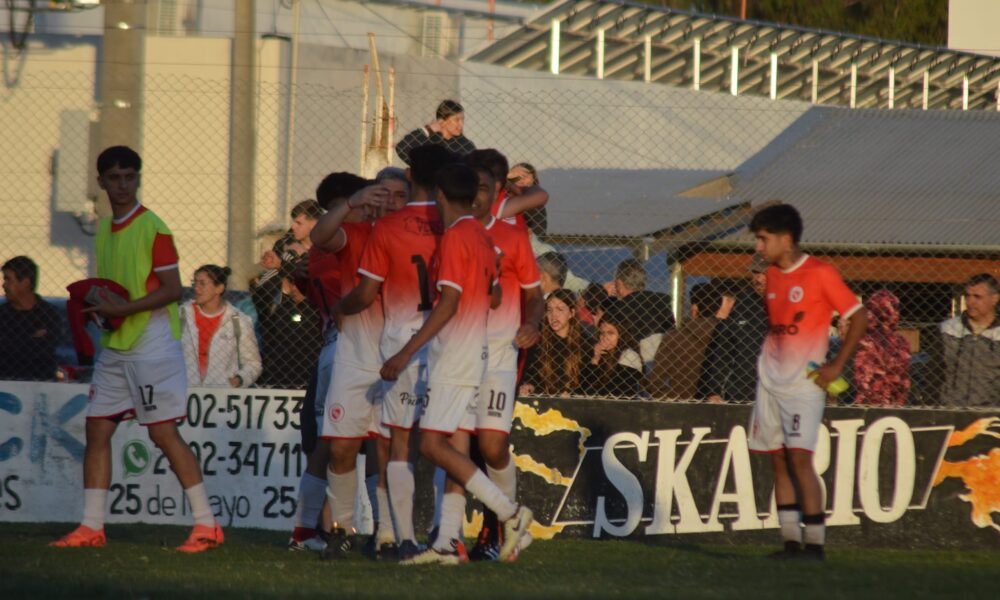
489	494
385	529
400	481
505	478
94	501
452	513
341	491
200	509
312	490
789	519
815	534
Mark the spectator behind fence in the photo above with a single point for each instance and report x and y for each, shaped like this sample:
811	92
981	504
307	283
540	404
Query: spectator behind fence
553	269
729	370
220	346
647	313
678	361
554	365
971	347
882	361
289	257
29	326
445	130
520	177
615	368
593	301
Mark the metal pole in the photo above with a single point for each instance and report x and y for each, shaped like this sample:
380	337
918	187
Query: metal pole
554	48
774	76
696	84
892	87
242	149
927	79
293	94
121	81
815	81
965	92
647	56
734	72
600	54
677	292
854	85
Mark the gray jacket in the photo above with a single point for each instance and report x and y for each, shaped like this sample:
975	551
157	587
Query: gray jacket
971	364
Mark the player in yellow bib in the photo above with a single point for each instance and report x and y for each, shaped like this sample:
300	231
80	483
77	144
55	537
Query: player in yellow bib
141	373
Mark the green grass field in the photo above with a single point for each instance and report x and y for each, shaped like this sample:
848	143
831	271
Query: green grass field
138	563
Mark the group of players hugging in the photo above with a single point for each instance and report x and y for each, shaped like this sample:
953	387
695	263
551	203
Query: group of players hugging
435	291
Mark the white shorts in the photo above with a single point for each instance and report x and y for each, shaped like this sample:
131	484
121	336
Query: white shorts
324	374
450	408
495	410
152	391
354	404
786	418
406	398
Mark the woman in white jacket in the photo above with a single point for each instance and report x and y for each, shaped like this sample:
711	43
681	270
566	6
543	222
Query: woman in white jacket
220	347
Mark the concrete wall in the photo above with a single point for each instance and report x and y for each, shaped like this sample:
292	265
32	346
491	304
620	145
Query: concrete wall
974	26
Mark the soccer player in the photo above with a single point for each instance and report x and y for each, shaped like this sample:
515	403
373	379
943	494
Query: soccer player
323	288
141	373
510	202
507	331
456	332
395	263
354	399
802	293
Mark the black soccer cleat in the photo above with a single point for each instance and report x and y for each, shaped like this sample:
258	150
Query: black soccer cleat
813	552
407	550
792	550
487	545
338	544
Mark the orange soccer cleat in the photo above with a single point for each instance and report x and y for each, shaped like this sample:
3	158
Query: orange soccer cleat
202	538
81	537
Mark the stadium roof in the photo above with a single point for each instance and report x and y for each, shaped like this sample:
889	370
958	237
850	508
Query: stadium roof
626	203
884	178
627	27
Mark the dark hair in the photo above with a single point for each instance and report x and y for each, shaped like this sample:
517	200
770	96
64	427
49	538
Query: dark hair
707	297
458	183
554	264
778	219
989	280
448	108
479	169
554	367
632	273
626	341
218	275
426	160
310	208
594	297
490	159
530	168
120	156
336	186
24	268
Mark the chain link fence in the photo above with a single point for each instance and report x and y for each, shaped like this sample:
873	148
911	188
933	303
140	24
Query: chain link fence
651	189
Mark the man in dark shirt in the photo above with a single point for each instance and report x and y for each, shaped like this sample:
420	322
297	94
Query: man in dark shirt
445	130
29	326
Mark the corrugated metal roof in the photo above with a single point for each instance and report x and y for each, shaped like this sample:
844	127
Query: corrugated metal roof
618	202
885	177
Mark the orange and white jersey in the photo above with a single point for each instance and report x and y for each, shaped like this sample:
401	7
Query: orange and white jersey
518	271
358	343
800	306
466	262
398	254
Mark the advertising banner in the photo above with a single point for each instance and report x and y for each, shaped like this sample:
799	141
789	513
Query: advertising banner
592	468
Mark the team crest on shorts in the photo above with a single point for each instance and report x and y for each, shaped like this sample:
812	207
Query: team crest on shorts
337	412
795	294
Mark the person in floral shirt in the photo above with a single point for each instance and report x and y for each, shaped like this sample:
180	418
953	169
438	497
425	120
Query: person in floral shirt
882	362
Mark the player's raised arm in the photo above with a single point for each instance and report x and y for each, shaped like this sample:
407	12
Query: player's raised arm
328	234
519	201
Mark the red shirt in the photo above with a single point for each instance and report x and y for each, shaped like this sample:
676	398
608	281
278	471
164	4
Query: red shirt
497	209
359	334
518	271
323	289
398	254
800	306
467	262
207	326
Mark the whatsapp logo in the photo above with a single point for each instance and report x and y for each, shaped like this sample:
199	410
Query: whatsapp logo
135	458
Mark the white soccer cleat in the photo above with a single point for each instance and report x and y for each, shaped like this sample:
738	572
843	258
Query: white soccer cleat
432	556
514	530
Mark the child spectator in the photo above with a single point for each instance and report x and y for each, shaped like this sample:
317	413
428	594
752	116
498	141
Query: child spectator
554	365
615	369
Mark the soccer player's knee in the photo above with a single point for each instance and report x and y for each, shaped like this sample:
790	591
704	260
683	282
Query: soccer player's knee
496	454
163	437
429	446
